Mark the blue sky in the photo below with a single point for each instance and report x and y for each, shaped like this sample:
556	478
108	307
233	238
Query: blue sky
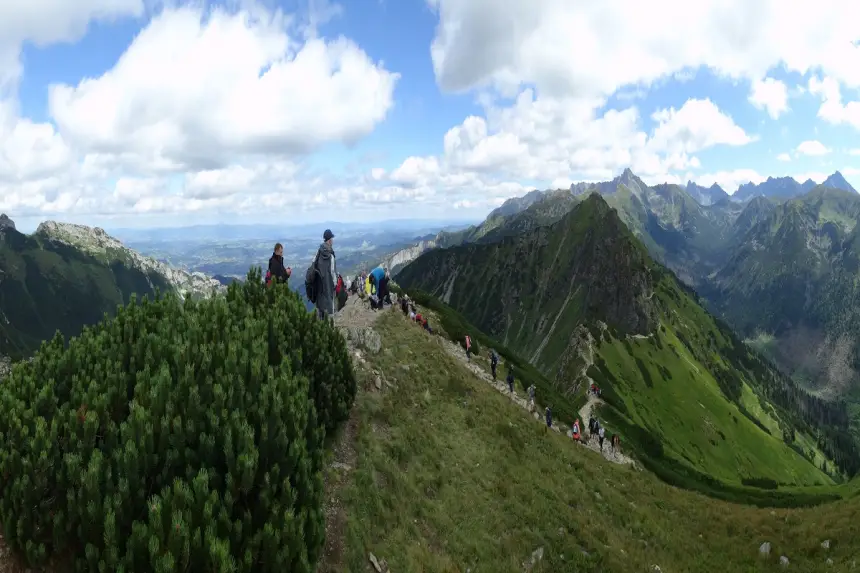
127	143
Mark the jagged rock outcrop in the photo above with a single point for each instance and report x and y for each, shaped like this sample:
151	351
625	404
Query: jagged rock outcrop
405	256
95	241
6	222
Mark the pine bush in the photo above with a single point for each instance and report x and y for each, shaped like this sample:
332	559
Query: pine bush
179	435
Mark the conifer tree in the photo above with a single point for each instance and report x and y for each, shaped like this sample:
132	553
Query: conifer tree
178	435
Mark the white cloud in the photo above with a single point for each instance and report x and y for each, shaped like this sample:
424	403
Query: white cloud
50	21
594	48
204	110
217	110
784	157
193	91
812	147
832	109
854	152
771	95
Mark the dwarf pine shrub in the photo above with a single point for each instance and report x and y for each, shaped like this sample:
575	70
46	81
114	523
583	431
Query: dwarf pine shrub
179	435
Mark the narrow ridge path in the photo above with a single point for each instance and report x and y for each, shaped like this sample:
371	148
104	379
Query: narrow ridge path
593	444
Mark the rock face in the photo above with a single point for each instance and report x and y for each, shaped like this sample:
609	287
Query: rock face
6	222
95	241
405	256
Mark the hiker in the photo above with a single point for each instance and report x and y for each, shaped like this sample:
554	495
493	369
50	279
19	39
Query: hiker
576	435
325	269
340	291
600	434
404	305
382	291
468	348
494	361
592	427
532	398
412	315
427	326
616	443
548	413
277	271
510	379
418	318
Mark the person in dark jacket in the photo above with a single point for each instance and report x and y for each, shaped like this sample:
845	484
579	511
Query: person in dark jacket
511	380
548	417
277	271
327	268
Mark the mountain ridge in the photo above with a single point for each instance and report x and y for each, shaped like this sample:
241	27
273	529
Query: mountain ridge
536	292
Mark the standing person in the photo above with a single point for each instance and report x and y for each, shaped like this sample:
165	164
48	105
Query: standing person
468	348
532	398
548	413
277	271
494	362
576	434
327	269
510	380
600	434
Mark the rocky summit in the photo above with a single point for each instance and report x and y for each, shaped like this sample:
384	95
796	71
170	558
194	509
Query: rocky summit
95	241
6	222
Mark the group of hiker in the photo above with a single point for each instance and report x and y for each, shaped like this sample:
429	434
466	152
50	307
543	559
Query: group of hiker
324	286
407	306
594	426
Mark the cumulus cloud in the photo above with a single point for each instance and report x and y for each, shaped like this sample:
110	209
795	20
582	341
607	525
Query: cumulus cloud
784	157
812	147
832	109
194	90
204	108
218	109
771	95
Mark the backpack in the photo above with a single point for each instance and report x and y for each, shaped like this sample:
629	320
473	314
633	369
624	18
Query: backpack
312	276
268	278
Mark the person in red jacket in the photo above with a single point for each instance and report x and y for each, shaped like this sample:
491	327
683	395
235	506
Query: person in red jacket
468	348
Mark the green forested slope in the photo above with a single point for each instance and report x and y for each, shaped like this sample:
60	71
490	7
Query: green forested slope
655	350
47	286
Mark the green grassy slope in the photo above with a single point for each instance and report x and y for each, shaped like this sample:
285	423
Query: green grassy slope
45	287
532	291
447	475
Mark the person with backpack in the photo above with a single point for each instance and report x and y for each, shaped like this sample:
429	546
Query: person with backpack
510	380
277	272
494	362
600	434
468	348
340	291
321	277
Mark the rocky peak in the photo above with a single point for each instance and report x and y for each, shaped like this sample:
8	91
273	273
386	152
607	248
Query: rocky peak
95	241
6	222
